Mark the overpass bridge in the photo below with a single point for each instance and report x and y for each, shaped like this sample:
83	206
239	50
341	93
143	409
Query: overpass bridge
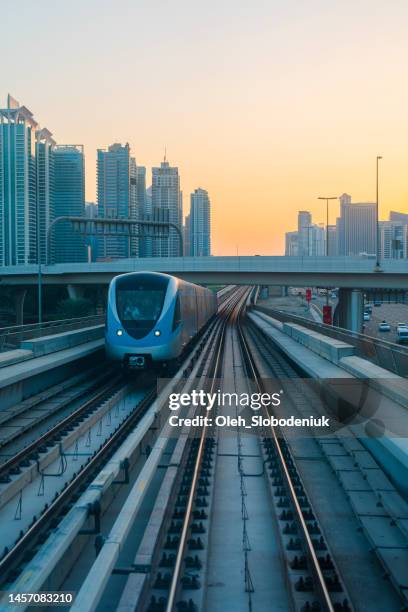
343	272
353	275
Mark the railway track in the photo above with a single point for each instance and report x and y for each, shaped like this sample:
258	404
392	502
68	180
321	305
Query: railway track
18	556
314	579
207	518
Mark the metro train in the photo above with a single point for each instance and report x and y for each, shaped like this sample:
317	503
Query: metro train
151	317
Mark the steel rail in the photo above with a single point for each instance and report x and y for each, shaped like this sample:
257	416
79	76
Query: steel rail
14	556
25	452
322	587
228	310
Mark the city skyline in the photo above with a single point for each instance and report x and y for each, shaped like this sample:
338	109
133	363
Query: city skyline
267	106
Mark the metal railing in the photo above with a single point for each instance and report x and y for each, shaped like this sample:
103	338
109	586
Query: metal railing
385	354
12	336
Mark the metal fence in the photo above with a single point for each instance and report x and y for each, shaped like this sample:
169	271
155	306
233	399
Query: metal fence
11	337
385	354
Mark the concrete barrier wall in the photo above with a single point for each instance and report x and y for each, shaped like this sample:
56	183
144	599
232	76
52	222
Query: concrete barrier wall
329	348
59	342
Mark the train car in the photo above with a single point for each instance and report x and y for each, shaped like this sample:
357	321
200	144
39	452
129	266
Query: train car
152	317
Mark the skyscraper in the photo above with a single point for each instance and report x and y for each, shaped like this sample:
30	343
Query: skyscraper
393	239
116	195
304	223
200	224
356	227
45	179
18	211
69	171
141	206
166	195
332	238
291	244
399	216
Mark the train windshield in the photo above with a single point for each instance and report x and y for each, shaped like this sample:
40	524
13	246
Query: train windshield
139	302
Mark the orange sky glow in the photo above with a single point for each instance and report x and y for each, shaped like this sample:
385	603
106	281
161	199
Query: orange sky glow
266	104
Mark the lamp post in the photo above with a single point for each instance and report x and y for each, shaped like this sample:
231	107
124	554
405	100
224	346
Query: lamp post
327	232
377	223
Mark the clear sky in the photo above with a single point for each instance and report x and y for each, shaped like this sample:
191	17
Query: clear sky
267	104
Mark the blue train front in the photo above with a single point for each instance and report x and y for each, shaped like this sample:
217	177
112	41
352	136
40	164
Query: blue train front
151	317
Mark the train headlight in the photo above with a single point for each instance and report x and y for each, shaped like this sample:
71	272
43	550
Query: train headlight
157	332
119	332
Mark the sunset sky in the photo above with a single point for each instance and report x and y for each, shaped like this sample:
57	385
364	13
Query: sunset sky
266	104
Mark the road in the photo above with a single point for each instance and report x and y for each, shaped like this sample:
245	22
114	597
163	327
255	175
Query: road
393	314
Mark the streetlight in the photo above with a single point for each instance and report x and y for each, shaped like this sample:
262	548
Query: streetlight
327	232
377	242
327	219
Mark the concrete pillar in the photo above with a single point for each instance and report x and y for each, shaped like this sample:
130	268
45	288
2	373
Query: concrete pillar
264	293
349	310
284	291
75	292
102	299
19	297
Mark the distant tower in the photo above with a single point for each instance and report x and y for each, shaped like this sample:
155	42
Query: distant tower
45	164
356	227
304	223
69	171
200	224
166	195
116	196
18	182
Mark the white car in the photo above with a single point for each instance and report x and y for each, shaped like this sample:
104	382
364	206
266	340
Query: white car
384	327
401	326
366	316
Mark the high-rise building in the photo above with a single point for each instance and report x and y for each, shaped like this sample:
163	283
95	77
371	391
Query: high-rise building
200	224
317	240
45	179
116	196
400	217
18	181
304	223
291	244
69	173
393	240
308	240
142	208
166	196
356	227
186	236
332	240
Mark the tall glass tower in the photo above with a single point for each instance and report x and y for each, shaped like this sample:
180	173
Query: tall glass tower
44	156
69	172
116	194
17	185
166	195
199	224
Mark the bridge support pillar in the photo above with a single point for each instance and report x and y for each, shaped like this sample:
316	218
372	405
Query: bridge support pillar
349	311
264	292
284	291
75	292
19	297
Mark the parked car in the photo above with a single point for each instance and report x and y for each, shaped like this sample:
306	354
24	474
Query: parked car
401	325
377	303
384	327
368	309
366	316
